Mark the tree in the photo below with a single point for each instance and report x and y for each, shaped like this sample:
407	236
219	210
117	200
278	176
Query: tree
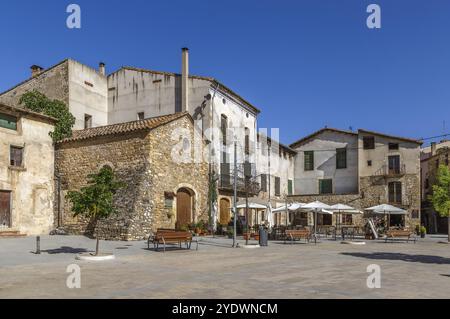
37	102
441	194
95	201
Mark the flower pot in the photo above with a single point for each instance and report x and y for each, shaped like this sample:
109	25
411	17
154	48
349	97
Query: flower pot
246	236
422	235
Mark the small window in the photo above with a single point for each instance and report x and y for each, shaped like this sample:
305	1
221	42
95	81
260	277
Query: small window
16	156
437	163
341	158
369	142
87	121
347	219
325	186
9	122
277	186
290	187
309	160
141	116
263	183
427	183
393	146
369	163
168	199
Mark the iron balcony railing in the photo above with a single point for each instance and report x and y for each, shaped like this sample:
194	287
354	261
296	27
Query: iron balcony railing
385	170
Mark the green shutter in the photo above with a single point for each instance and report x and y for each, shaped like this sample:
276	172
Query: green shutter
325	186
309	160
341	158
290	190
7	121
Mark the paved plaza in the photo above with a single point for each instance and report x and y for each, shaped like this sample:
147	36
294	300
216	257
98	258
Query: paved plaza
327	270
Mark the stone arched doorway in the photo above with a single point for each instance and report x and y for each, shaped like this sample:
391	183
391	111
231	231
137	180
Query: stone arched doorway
225	213
184	207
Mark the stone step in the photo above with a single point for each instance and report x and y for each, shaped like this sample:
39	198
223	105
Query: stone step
11	234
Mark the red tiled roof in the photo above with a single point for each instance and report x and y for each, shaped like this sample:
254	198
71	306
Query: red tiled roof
146	124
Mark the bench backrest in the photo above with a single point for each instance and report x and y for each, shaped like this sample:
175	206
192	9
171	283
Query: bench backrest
397	232
173	234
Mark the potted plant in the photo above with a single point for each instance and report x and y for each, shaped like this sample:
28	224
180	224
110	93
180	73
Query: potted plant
423	231
230	234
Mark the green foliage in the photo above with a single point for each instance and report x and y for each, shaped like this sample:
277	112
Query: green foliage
38	102
423	230
96	200
441	192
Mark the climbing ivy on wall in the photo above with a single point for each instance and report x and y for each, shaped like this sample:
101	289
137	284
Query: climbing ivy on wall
37	102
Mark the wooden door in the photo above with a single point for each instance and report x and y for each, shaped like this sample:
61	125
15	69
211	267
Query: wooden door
184	208
224	211
5	209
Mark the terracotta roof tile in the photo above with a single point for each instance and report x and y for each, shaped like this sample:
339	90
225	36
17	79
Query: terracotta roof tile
146	124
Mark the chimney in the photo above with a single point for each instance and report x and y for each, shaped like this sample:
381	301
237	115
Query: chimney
36	70
101	68
185	80
433	148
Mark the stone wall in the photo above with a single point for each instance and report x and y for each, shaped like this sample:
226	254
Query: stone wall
54	83
142	160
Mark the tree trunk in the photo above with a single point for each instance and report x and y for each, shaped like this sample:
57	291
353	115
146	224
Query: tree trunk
97	246
448	219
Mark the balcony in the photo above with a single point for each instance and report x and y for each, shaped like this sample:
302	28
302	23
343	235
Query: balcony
226	179
394	171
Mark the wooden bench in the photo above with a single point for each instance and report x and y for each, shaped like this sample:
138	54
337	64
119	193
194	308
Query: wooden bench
165	237
399	234
297	234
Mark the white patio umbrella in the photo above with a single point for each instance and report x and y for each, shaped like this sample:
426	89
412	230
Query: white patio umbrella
252	204
317	207
387	209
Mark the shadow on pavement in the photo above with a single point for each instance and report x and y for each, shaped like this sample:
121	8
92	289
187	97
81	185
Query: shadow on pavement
425	259
65	250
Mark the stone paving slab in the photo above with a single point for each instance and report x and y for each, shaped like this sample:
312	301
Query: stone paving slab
326	270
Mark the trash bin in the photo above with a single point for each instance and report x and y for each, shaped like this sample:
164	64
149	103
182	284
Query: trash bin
263	236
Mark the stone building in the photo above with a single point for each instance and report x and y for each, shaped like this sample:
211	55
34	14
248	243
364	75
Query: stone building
432	157
361	169
26	172
83	89
162	191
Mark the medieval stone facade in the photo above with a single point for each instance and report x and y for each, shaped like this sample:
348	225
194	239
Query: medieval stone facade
141	158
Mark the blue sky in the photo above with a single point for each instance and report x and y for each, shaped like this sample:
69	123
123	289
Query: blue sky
305	64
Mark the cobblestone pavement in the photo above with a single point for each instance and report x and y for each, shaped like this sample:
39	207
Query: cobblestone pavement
326	270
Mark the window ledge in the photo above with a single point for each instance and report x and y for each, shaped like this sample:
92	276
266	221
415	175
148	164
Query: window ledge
17	168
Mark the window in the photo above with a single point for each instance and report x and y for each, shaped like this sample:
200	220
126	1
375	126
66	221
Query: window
325	186
341	158
141	116
347	219
223	128
309	160
290	187
247	141
369	142
394	164
277	186
87	121
168	199
427	183
393	146
395	192
263	182
437	163
16	156
9	122
225	177
369	163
